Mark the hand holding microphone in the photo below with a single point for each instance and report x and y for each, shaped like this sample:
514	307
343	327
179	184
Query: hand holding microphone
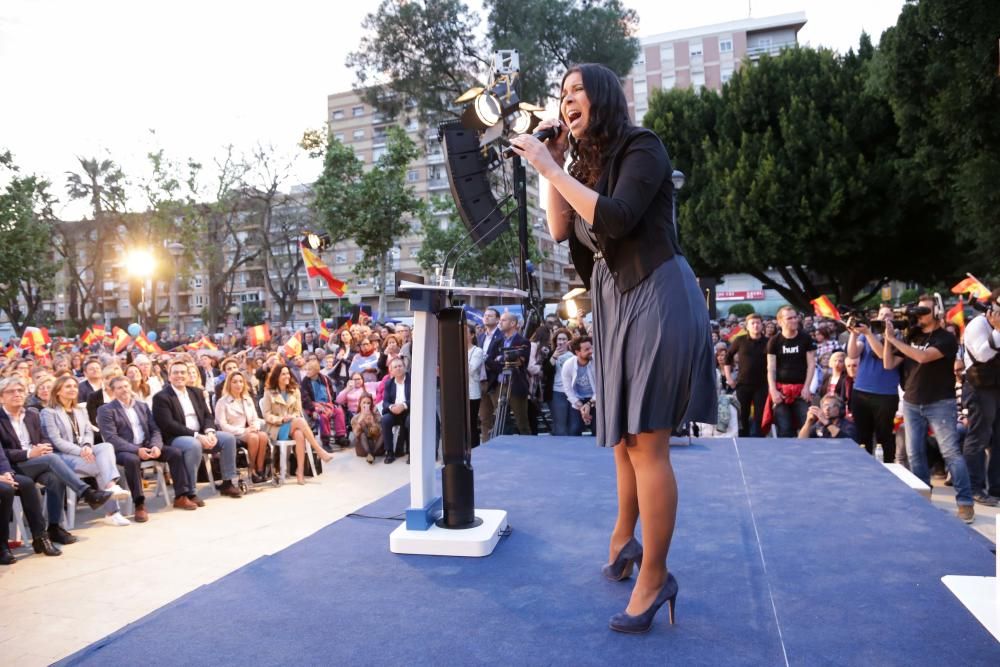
541	156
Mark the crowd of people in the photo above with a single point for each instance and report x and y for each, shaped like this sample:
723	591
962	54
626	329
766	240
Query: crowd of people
86	419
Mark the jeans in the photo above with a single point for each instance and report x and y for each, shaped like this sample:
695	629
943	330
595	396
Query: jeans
560	408
750	395
52	472
576	425
873	417
942	416
192	452
788	419
982	442
104	468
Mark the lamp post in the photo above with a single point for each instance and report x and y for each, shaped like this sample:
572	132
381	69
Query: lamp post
176	250
678	179
139	264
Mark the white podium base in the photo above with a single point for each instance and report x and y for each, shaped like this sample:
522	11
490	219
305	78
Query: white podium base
981	596
473	542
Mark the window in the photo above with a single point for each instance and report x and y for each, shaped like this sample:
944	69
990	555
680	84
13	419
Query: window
339	136
667	52
726	76
196	282
199	300
338	114
358	111
412	176
639	87
698	80
358	134
307	309
695	52
379	152
725	46
340	258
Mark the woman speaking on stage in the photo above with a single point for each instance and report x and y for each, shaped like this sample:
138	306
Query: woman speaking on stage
653	350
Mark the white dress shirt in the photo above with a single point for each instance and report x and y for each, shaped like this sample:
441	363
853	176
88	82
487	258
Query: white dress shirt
190	416
21	429
138	435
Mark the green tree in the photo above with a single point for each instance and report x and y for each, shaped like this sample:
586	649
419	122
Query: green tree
938	67
374	208
800	175
26	266
428	52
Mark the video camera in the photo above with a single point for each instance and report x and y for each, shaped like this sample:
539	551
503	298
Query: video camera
512	357
903	318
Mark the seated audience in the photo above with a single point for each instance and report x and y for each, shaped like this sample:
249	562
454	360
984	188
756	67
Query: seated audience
318	401
281	406
236	413
396	411
366	427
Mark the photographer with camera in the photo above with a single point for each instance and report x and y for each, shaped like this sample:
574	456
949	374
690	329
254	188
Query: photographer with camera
827	420
875	396
512	361
982	364
927	356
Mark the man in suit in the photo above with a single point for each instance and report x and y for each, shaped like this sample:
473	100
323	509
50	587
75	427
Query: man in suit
31	457
129	426
93	381
185	423
396	411
515	345
490	341
13	484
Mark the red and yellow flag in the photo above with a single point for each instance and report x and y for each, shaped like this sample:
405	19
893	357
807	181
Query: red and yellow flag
258	335
324	331
971	285
956	316
735	333
122	339
203	343
35	339
293	347
315	267
11	353
89	338
825	308
146	345
99	332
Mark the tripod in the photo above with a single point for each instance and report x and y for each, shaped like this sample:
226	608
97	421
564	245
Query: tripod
503	403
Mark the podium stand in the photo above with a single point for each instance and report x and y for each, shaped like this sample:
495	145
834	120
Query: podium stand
419	534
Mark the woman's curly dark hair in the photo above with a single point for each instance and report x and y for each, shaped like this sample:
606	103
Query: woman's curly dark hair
608	122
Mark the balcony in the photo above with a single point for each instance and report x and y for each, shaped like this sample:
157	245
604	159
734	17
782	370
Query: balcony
437	184
755	52
435	158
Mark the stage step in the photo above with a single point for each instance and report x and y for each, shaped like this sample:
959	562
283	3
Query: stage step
909	479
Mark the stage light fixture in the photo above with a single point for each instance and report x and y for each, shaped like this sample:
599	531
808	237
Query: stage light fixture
315	241
524	122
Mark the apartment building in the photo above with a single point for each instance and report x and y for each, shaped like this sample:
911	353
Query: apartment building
706	56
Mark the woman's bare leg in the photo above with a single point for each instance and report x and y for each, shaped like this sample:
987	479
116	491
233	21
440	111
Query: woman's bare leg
656	489
303	427
300	454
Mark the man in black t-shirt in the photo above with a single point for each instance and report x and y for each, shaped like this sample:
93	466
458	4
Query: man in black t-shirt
927	358
791	363
750	355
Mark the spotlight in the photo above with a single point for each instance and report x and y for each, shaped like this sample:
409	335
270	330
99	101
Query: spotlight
524	122
315	241
482	113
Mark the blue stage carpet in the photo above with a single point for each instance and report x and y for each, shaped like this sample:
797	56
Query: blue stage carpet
787	552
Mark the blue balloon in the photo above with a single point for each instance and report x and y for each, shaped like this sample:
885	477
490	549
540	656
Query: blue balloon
134	329
151	336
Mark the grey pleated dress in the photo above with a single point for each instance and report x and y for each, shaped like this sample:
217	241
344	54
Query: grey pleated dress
653	355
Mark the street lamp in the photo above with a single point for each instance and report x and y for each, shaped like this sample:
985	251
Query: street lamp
678	179
139	264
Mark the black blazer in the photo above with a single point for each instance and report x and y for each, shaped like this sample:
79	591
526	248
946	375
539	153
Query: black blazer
10	441
494	364
117	429
633	217
94	403
493	351
169	415
389	397
306	391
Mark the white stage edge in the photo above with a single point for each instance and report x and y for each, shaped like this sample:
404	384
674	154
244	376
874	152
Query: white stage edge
472	542
980	595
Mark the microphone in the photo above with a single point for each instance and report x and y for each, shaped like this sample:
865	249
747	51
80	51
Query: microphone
542	135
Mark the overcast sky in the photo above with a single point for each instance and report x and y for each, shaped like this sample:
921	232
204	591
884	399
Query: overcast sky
92	78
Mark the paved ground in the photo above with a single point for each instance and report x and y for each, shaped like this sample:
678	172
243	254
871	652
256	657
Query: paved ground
51	607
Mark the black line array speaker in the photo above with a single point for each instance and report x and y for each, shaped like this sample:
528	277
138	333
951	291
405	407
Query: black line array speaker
468	175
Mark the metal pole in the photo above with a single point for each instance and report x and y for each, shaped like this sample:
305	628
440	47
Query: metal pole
521	194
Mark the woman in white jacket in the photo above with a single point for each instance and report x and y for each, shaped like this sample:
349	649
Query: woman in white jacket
475	393
68	428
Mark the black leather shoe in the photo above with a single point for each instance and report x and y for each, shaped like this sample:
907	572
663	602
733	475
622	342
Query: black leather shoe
60	535
389	458
6	557
96	499
44	545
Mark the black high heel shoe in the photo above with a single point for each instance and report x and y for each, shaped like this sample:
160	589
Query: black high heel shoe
635	625
629	556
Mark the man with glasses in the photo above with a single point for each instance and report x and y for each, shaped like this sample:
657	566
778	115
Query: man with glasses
31	460
791	363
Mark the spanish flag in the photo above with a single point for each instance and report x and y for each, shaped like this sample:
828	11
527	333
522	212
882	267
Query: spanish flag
35	339
316	267
735	333
825	308
146	345
258	335
11	353
956	316
122	339
99	332
293	348
971	285
89	337
324	331
203	343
